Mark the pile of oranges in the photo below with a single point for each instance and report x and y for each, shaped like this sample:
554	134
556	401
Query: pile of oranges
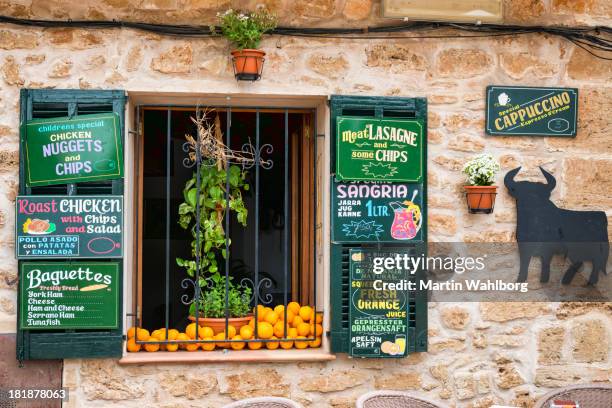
300	327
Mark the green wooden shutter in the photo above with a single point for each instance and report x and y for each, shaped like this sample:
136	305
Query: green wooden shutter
48	103
378	107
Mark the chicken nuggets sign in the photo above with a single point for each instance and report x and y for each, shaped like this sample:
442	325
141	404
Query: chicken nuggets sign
72	150
370	149
520	110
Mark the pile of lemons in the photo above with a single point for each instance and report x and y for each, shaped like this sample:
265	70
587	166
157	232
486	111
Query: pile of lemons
298	326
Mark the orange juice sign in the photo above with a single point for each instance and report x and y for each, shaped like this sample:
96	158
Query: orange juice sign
69	227
376	212
379	149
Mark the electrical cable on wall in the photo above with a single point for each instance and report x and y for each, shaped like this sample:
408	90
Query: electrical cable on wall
593	40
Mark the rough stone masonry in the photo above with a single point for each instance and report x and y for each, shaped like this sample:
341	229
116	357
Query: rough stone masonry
479	354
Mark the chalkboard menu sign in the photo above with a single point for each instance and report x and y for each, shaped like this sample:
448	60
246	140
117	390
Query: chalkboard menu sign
69	226
70	150
75	295
378	310
522	110
379	149
376	212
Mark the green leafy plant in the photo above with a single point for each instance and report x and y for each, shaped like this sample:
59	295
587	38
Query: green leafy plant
481	170
212	299
245	29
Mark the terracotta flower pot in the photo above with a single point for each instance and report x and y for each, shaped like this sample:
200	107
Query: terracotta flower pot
481	198
218	324
248	63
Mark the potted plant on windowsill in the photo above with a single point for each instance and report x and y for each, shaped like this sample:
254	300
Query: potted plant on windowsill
480	191
244	30
211	199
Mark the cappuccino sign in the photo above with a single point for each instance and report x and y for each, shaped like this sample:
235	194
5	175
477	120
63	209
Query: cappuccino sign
370	149
75	295
521	110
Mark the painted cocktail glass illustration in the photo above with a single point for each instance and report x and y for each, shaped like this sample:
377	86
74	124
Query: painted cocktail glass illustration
407	219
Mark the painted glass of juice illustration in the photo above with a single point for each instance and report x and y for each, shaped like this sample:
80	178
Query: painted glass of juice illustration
400	340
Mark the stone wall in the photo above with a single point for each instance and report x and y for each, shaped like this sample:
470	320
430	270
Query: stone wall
479	353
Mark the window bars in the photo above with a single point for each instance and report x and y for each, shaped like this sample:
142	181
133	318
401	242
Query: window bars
257	284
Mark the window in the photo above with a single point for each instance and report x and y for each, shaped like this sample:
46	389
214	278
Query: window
273	255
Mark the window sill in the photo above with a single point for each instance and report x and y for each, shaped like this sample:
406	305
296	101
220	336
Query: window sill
225	356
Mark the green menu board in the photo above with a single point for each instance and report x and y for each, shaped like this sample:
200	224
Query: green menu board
378	310
69	226
379	149
71	150
537	111
77	295
376	212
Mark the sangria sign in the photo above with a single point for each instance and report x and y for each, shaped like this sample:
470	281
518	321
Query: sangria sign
69	295
69	226
372	149
378	319
376	212
71	150
521	110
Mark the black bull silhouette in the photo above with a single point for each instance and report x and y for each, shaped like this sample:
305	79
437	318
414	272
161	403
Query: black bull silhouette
543	230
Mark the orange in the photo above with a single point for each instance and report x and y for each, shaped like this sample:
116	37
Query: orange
246	332
279	329
207	346
192	346
271	317
315	343
190	331
221	336
296	321
132	346
172	333
292	333
254	345
286	344
303	329
290	316
279	310
159	334
305	312
183	337
272	345
131	332
261	312
318	328
319	317
264	330
152	347
301	344
237	345
231	331
142	334
294	307
205	331
252	323
172	346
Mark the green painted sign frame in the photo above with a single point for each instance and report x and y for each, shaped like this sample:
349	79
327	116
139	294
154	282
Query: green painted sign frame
373	149
364	212
78	226
89	288
73	149
531	111
372	333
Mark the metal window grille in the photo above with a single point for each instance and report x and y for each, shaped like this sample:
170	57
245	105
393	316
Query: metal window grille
257	283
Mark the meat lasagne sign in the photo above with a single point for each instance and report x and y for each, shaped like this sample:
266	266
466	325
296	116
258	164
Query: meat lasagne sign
513	110
370	149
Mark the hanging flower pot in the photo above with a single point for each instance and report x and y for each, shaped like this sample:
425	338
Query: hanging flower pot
248	64
244	30
480	199
480	193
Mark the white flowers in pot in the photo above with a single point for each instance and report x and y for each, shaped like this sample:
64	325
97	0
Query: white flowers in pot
481	192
